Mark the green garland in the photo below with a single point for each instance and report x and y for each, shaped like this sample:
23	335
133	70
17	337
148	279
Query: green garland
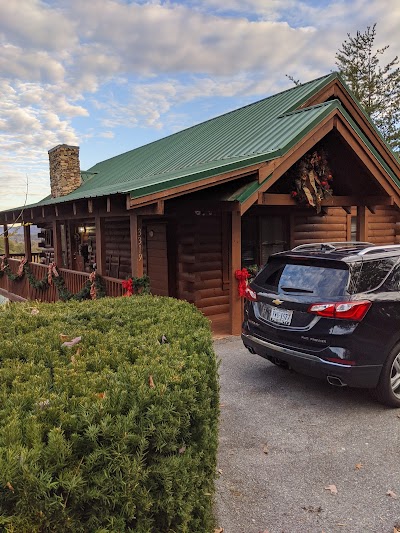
59	282
134	285
65	294
36	284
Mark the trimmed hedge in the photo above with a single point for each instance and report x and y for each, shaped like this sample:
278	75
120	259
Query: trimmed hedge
116	433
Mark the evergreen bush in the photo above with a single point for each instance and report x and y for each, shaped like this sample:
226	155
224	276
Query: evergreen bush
115	433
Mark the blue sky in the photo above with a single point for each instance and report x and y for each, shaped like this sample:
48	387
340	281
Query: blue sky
111	75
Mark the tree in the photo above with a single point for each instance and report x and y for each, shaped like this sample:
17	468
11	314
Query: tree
376	87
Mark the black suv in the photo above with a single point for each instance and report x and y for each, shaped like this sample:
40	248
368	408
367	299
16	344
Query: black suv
330	310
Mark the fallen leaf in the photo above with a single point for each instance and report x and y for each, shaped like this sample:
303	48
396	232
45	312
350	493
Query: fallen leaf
101	395
73	360
332	489
359	466
35	311
164	340
74	341
63	337
78	351
182	450
220	471
43	404
9	486
396	529
391	494
151	382
266	449
219	530
398	416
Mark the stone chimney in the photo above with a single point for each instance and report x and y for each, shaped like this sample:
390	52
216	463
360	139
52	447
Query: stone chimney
65	174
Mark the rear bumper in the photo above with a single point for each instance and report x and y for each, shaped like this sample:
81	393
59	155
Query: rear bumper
365	376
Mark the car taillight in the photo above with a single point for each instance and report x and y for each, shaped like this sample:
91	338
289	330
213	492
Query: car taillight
344	310
249	294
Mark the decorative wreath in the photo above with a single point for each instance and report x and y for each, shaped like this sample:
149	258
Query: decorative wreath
312	180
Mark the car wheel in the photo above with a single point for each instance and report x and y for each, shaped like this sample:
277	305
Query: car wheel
388	389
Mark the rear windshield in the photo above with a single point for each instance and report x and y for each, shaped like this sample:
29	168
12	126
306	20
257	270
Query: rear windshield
285	277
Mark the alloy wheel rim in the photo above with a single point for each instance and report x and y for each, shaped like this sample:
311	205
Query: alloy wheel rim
395	376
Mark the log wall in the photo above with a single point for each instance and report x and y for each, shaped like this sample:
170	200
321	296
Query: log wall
201	261
310	227
382	226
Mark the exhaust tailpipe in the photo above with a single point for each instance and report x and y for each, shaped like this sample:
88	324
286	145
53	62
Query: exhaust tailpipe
335	381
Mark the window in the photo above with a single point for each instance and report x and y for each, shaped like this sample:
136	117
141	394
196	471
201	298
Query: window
263	236
310	278
373	273
353	228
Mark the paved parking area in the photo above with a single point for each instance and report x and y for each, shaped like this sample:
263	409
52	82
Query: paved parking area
285	437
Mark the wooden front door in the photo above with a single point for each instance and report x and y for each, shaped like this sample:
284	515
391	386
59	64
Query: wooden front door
157	258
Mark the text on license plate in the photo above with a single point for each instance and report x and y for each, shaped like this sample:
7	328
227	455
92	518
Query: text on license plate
281	316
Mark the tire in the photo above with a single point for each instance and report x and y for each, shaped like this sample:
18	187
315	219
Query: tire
388	389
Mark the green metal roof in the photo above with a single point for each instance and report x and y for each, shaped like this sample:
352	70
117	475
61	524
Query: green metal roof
252	134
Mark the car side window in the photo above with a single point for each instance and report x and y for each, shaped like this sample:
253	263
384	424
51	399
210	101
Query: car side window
392	283
373	273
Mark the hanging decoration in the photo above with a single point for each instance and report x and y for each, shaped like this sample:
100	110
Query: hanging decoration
135	285
51	271
312	180
242	276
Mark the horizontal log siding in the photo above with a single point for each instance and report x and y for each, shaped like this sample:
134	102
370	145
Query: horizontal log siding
118	247
310	227
185	234
74	282
200	265
383	225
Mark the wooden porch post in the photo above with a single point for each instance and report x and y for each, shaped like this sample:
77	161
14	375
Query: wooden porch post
136	245
100	246
6	241
57	244
27	242
236	304
362	223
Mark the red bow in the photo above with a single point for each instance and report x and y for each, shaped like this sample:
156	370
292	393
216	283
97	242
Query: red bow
242	276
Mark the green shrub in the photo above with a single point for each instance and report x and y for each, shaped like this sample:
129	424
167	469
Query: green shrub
117	433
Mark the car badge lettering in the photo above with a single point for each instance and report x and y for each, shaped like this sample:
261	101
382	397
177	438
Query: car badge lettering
277	302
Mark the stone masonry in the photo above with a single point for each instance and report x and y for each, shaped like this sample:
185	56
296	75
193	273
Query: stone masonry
65	175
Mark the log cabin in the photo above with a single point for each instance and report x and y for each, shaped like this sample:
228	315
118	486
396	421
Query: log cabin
191	209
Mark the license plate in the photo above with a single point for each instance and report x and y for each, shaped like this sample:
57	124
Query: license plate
281	316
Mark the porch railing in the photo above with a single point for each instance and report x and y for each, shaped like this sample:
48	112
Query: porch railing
74	282
35	256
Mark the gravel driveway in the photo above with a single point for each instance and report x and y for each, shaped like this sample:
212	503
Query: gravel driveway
285	437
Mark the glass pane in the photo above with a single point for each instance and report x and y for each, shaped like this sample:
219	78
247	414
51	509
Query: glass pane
249	241
273	236
312	279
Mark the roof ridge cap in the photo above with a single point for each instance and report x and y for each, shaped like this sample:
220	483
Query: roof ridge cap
316	106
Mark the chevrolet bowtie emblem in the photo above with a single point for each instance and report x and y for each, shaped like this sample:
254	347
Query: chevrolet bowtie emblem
277	302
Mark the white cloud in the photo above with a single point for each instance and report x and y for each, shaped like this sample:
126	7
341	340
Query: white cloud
34	25
159	55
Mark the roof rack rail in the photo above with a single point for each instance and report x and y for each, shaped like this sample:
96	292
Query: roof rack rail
379	248
331	246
